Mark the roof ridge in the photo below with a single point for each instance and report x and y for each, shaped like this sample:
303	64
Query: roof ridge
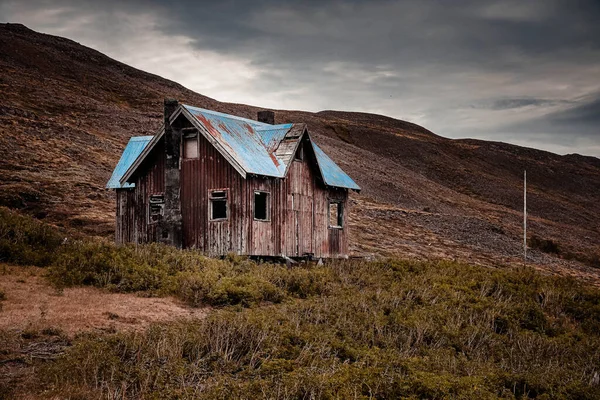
230	116
277	126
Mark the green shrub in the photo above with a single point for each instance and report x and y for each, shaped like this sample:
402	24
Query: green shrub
26	241
386	329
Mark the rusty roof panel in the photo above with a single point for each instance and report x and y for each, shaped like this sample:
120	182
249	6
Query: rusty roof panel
134	148
242	139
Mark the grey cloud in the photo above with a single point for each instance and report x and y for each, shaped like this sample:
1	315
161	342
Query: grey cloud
509	104
464	67
586	113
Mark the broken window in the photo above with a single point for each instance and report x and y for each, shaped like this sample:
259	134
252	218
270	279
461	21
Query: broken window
156	203
218	204
261	206
190	146
336	214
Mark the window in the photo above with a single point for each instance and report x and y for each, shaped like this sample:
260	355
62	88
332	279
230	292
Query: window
190	146
261	206
299	153
218	204
336	214
156	204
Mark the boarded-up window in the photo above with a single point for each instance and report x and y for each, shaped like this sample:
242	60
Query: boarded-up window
218	205
336	214
261	206
156	204
190	146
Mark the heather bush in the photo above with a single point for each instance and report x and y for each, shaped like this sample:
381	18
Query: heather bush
387	329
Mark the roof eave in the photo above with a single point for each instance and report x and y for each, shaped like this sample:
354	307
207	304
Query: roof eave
157	136
356	189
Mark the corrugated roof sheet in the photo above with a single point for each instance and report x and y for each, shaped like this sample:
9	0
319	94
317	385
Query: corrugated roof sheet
251	146
134	148
332	174
240	138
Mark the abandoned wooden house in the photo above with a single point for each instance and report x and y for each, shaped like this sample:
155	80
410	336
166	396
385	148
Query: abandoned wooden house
221	183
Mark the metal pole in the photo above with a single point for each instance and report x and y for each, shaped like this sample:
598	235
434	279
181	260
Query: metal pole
525	214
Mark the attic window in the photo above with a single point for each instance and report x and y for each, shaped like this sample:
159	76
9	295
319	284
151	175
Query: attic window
218	205
261	206
299	153
190	146
336	214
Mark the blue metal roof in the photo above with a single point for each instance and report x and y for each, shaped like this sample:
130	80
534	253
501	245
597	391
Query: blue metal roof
273	135
250	146
332	174
134	148
238	136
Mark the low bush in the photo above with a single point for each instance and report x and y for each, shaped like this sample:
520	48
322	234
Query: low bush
387	329
26	241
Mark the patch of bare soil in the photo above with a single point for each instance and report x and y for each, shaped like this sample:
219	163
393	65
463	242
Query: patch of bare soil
31	304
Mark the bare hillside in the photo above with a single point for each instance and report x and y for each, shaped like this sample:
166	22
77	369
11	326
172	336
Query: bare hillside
67	111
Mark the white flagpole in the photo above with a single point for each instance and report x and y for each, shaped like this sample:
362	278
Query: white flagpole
525	214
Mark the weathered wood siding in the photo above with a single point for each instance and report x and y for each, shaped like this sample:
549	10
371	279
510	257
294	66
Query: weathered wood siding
299	204
126	211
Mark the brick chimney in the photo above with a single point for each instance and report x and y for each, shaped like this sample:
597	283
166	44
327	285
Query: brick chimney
268	117
171	225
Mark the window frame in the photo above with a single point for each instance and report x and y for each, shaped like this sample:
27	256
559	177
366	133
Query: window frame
340	216
212	198
186	137
268	206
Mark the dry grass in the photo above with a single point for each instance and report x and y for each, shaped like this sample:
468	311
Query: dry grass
32	304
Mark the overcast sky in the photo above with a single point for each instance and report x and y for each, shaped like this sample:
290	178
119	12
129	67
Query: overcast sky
523	72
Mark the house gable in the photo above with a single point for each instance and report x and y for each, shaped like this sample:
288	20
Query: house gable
251	147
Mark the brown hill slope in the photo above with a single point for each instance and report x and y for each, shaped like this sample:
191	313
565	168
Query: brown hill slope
67	111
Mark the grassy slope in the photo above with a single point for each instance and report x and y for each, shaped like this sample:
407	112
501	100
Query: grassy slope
387	329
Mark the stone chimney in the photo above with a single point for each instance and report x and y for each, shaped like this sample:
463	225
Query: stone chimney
268	117
170	228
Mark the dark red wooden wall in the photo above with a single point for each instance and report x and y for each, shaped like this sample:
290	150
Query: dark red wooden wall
299	206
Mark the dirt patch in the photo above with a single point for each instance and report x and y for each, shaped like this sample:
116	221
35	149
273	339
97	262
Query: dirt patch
32	304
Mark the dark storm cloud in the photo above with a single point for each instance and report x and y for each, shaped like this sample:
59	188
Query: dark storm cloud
582	119
501	70
586	114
